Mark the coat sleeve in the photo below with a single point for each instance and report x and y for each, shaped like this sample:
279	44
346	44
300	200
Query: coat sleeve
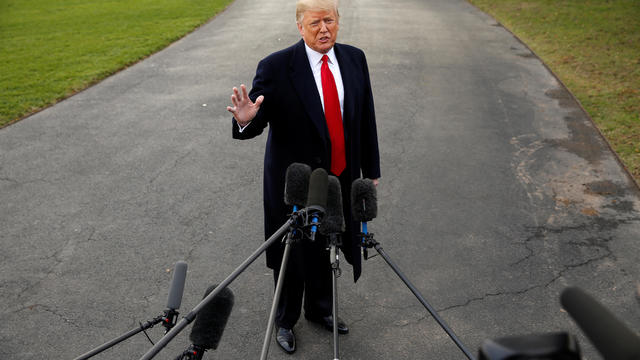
370	155
262	85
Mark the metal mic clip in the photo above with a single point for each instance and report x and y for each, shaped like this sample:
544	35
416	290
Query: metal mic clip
314	216
194	352
367	242
169	319
295	232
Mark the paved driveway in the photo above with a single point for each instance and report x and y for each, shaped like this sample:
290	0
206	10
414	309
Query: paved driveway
497	193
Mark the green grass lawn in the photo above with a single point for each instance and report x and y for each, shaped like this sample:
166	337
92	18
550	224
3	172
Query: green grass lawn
594	48
50	49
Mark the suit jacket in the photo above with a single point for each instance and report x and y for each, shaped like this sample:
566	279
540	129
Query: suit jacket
298	133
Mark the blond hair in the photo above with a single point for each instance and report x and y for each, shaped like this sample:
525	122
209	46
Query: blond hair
304	5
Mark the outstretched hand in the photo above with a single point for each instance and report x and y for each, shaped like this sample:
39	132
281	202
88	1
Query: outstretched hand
244	110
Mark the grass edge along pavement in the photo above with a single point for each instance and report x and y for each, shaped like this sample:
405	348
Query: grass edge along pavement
591	46
52	49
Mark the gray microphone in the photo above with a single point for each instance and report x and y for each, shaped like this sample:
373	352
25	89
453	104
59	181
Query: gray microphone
177	286
333	220
317	198
175	295
612	338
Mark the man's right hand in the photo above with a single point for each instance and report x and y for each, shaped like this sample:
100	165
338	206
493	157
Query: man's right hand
244	110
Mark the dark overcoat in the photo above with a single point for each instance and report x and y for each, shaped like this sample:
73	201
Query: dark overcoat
298	133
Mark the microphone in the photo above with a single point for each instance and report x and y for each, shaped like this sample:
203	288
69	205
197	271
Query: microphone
333	220
364	200
174	299
317	198
296	185
549	346
168	318
364	206
209	324
611	337
177	285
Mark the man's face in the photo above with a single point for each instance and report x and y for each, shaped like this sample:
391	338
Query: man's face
319	29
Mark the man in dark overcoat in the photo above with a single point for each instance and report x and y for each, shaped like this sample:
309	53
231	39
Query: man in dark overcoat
291	95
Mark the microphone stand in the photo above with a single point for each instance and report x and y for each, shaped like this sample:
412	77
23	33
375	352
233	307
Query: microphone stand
310	217
369	242
168	320
289	239
334	242
192	315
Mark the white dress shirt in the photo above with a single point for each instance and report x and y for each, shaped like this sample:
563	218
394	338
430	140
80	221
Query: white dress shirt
315	61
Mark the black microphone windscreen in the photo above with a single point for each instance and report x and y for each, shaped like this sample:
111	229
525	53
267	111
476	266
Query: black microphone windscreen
296	186
318	187
333	220
212	318
364	203
177	285
612	338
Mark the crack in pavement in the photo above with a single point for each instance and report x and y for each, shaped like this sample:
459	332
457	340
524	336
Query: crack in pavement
52	311
25	182
176	162
14	181
594	242
597	226
560	274
59	258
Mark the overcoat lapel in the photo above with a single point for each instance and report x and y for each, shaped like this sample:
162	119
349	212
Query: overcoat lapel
349	83
303	81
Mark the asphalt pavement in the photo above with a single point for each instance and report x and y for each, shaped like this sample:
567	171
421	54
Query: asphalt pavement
497	193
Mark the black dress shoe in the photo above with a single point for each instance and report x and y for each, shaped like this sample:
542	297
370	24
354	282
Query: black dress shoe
327	322
286	340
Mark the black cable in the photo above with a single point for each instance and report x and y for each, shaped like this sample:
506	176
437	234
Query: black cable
145	333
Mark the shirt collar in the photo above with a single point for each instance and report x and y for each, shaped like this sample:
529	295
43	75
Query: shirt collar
316	57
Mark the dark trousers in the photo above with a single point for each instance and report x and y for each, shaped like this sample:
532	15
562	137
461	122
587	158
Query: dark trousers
308	273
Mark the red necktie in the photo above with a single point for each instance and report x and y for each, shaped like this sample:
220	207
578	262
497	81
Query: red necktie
334	118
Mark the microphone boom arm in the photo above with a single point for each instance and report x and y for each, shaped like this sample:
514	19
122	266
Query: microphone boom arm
165	319
192	315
